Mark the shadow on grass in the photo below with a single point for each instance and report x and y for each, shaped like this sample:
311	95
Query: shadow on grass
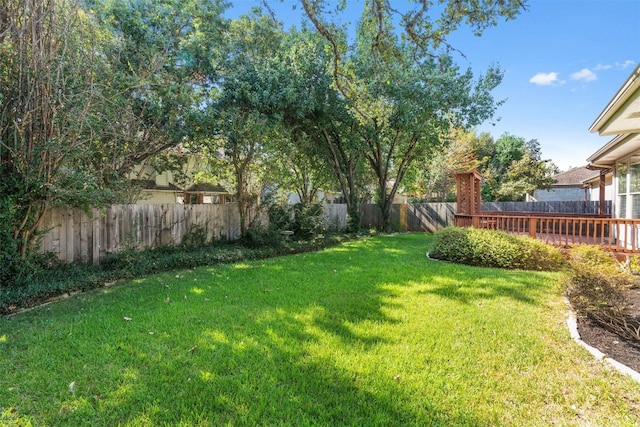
468	284
221	383
259	344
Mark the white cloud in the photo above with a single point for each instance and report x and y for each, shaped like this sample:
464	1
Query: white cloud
544	79
601	67
626	64
617	65
585	75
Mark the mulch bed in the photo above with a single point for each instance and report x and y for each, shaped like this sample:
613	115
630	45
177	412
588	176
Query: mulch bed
612	345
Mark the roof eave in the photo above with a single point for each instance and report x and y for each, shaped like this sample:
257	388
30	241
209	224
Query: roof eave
623	94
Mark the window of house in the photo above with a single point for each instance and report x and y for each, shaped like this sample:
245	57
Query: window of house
628	175
193	198
622	178
622	206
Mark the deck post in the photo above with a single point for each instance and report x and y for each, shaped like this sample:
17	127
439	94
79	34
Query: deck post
533	224
602	191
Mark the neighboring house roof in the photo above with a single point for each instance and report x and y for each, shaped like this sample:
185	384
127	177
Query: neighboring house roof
150	184
575	177
207	187
620	117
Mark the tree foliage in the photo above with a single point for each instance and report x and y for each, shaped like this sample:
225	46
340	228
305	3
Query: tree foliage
318	114
432	177
166	62
424	25
243	115
304	82
514	168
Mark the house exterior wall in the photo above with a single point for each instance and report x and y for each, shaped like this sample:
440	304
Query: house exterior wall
594	193
158	197
163	179
621	119
563	194
167	187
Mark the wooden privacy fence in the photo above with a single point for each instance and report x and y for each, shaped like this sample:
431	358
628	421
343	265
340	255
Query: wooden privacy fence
75	236
570	207
335	215
431	217
426	217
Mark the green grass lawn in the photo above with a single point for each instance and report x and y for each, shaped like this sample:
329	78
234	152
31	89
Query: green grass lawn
367	333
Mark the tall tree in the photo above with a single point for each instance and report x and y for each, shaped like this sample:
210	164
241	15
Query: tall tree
90	89
304	86
401	107
314	108
400	81
50	71
243	115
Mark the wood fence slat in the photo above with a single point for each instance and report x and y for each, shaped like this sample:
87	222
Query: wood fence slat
72	235
80	236
96	236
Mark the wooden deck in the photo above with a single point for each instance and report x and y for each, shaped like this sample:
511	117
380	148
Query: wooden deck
617	235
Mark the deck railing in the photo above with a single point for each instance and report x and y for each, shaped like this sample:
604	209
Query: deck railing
614	234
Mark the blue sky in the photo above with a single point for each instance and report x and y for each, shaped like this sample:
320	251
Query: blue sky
563	61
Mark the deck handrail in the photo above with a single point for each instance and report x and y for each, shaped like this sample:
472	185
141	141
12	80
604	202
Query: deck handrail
614	234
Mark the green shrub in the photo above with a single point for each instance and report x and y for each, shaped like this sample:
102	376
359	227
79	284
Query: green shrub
15	269
308	220
597	287
491	248
257	236
587	256
280	217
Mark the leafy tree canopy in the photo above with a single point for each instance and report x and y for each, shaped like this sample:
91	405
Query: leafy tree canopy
515	169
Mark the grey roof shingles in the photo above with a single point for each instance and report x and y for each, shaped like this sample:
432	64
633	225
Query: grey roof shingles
575	176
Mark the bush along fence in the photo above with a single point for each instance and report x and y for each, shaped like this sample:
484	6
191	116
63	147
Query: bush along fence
74	236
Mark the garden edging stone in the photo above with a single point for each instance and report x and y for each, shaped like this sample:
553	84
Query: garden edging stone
572	324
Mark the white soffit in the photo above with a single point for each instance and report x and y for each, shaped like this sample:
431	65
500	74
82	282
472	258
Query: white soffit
622	114
616	149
